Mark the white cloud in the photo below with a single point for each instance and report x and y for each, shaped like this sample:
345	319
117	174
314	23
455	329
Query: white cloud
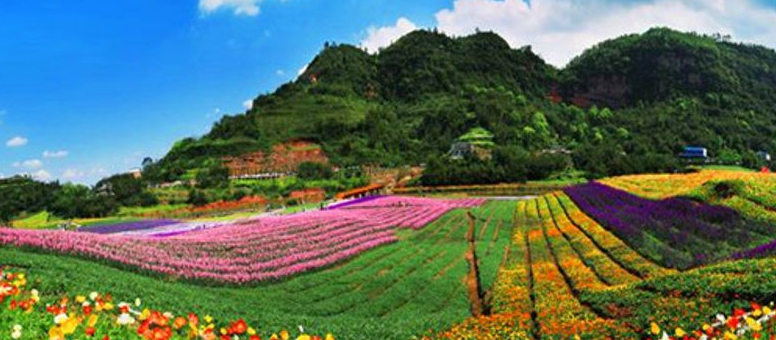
239	7
248	104
302	70
72	174
558	30
16	142
280	73
41	175
31	164
55	154
378	37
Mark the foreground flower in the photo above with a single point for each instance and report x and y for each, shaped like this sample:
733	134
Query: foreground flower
94	316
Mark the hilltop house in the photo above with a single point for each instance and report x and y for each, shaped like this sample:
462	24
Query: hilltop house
477	142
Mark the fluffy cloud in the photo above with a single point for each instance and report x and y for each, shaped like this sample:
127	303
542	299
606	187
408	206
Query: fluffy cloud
561	29
302	70
16	142
248	104
239	7
378	37
31	164
41	175
55	154
72	174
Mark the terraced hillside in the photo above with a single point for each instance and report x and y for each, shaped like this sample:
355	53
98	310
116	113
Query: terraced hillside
397	291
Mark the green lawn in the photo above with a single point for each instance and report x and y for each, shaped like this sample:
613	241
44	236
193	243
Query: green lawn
393	292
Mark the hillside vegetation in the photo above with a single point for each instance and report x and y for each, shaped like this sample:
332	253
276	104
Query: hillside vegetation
627	105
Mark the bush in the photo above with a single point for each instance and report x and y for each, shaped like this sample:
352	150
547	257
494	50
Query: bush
197	198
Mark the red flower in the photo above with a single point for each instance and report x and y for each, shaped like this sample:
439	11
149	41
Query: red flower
194	319
90	331
179	322
88	310
239	327
733	323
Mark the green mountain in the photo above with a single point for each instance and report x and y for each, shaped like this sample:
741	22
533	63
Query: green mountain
626	105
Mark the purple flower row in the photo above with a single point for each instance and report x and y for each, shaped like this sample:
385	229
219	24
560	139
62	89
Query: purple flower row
678	231
127	226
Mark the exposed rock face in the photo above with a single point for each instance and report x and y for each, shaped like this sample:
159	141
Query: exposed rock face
283	158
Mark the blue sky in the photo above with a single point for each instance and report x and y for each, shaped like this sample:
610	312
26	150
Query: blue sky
88	88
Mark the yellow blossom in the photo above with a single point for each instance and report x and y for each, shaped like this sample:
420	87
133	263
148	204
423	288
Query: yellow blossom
80	299
329	337
654	328
304	337
284	335
679	332
730	336
251	331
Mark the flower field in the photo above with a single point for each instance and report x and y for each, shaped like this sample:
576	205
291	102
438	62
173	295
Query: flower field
590	262
657	186
270	248
98	316
677	232
410	287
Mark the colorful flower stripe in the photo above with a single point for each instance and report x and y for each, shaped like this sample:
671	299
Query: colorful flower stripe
270	248
603	265
580	275
128	226
559	314
606	240
687	233
97	317
511	305
658	186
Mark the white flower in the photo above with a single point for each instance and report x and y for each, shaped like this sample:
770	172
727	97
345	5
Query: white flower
125	319
665	337
168	315
86	304
137	302
17	328
60	318
94	296
16	335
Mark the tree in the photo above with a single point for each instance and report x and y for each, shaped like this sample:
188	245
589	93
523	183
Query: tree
313	171
214	175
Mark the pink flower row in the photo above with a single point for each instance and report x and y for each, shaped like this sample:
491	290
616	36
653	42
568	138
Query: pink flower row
267	248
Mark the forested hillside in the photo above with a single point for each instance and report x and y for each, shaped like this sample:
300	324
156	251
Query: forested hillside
626	105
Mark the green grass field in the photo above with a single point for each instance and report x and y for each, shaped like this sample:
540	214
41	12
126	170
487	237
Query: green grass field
393	292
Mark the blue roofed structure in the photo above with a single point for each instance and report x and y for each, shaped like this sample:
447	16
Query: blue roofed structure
694	152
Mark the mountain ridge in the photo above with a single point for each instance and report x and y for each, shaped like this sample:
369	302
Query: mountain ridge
411	100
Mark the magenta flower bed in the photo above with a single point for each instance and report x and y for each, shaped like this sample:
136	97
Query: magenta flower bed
264	249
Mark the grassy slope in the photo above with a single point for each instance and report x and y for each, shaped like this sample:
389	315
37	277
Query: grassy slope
393	292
